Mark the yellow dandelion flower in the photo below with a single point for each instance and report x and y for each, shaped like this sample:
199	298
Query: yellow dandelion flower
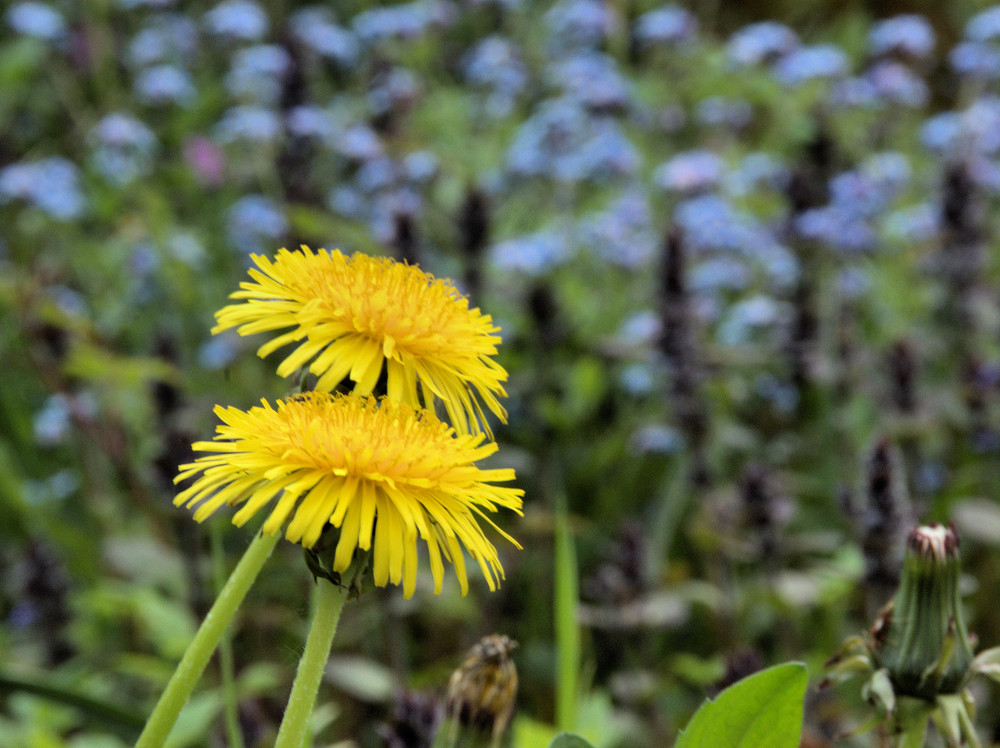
351	314
380	470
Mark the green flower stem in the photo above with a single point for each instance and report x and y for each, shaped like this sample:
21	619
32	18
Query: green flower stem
294	730
198	653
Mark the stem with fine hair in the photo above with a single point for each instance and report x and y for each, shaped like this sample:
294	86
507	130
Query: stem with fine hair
329	601
198	653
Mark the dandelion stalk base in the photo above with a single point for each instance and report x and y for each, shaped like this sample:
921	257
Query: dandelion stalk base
198	653
294	730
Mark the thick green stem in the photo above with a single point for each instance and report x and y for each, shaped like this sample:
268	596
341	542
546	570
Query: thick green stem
294	730
198	653
226	661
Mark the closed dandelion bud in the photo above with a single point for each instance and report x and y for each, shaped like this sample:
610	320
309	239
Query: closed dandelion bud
481	695
925	646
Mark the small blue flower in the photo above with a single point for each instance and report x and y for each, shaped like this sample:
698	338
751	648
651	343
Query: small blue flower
249	123
254	223
36	19
669	24
404	21
168	38
839	229
51	184
242	20
420	167
718	274
723	111
348	202
623	233
760	42
310	121
638	380
690	173
165	84
377	174
123	148
976	60
576	24
747	318
592	79
909	35
533	254
315	29
984	26
811	63
898	84
53	422
257	73
640	329
359	142
219	351
394	91
757	170
915	223
657	439
495	63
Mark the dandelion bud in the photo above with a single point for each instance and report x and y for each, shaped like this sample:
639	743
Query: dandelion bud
925	646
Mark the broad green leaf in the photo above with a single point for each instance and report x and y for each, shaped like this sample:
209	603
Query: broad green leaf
569	740
763	709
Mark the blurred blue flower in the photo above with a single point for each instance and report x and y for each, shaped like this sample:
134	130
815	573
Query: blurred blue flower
562	142
310	121
889	169
241	20
36	19
855	194
167	38
915	223
638	379
853	282
748	317
574	24
403	21
973	132
165	84
718	274
254	223
623	233
757	170
219	351
640	329
123	148
51	184
387	206
837	228
592	79
420	167
855	92
690	173
53	422
494	63
669	24
315	28
393	91
533	254
940	132
359	142
257	73
897	83
377	174
185	247
810	63
976	60
908	35
250	123
723	111
783	395
155	4
657	439
760	42
984	26
347	202
709	222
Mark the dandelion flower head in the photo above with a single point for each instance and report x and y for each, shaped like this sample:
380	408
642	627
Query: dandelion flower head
381	471
349	315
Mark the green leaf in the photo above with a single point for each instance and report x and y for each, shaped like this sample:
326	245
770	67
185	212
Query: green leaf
569	740
763	709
